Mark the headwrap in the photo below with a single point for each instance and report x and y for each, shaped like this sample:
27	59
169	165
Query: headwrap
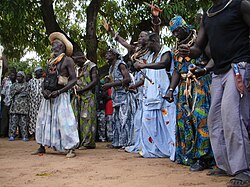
38	68
21	73
178	21
114	51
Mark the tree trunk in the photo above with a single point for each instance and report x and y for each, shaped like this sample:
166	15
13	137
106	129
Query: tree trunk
91	38
51	24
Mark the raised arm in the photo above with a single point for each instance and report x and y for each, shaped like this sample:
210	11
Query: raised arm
117	37
156	21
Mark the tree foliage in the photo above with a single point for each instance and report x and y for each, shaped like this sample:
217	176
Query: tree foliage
22	27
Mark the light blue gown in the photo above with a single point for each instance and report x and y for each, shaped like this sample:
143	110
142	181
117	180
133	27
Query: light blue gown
157	134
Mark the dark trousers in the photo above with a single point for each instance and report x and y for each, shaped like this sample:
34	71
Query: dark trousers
4	126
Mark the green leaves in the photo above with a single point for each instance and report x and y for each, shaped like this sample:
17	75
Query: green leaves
22	27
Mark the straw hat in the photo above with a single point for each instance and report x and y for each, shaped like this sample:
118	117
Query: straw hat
57	35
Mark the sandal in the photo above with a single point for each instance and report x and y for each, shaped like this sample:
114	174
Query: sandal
198	166
217	172
240	180
71	154
110	146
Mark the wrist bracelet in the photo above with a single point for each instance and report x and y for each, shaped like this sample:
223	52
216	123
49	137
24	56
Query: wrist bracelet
152	21
205	69
171	89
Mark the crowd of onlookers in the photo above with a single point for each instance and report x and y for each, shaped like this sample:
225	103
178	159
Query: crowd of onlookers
20	99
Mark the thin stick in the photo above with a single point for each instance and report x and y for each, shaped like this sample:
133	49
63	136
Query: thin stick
152	6
144	74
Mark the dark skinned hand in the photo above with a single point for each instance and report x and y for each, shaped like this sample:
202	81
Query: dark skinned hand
169	97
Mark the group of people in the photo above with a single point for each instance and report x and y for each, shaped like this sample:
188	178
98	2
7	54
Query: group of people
20	101
190	103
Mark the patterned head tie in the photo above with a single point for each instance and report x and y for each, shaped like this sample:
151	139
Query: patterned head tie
38	68
21	73
178	21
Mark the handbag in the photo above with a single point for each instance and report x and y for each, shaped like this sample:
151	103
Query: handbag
62	80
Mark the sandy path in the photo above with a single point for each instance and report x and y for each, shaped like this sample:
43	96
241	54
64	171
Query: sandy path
100	167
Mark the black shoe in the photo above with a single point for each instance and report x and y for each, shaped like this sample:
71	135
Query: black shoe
198	166
40	150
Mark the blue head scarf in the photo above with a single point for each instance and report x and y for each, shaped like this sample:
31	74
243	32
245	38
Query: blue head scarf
21	73
38	68
178	21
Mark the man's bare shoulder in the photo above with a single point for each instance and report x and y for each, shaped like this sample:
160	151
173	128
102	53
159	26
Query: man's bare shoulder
68	61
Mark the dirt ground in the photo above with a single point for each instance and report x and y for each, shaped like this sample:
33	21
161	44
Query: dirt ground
100	167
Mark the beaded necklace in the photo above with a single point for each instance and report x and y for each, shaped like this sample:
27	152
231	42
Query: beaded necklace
56	60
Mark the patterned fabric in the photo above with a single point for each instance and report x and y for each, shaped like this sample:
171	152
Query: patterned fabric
84	107
4	127
192	138
56	126
101	125
133	107
18	120
135	148
122	119
109	119
121	125
6	91
19	97
159	117
176	22
118	93
36	96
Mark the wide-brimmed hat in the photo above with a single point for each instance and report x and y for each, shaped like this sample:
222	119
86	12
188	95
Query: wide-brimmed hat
68	45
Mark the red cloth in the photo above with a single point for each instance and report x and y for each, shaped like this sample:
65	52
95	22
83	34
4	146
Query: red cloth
109	105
